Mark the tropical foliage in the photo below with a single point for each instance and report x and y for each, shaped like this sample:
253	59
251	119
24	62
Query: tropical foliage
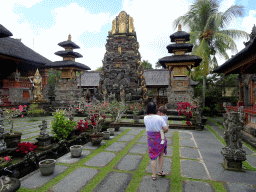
209	33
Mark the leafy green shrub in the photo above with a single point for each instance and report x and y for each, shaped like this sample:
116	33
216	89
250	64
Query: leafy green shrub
61	126
33	110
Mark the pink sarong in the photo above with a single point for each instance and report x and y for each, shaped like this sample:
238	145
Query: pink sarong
154	146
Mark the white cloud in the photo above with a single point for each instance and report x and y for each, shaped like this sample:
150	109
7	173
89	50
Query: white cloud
153	24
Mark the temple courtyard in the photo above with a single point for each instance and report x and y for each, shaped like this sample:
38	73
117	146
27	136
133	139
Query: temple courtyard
193	162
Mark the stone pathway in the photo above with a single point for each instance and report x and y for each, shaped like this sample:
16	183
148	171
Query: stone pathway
193	163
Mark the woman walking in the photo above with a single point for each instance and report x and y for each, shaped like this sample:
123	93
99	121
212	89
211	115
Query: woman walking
154	123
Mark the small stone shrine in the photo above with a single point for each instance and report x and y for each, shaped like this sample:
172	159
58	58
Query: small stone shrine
44	140
122	72
233	152
66	88
180	64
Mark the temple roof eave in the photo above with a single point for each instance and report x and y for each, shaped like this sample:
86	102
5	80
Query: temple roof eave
187	46
68	53
68	43
67	63
235	64
4	32
180	35
180	58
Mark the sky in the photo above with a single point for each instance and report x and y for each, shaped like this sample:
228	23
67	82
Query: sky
42	24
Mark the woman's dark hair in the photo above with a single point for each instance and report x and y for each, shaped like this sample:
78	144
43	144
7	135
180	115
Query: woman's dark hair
151	108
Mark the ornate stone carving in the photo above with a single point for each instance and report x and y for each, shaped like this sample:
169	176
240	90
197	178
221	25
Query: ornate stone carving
233	152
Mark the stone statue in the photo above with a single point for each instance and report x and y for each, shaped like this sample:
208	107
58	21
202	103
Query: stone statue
37	85
43	127
233	152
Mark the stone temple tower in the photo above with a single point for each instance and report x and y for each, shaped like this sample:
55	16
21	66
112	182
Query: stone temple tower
122	72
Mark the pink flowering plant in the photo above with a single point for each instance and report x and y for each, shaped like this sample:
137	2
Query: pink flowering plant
5	161
82	126
136	108
9	114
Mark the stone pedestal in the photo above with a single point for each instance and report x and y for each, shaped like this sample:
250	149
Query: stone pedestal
232	164
44	143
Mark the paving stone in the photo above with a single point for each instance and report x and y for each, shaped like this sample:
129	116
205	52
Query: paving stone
75	181
30	135
239	187
116	146
114	182
169	134
127	138
36	179
169	151
187	143
193	169
139	148
248	150
143	139
167	165
169	141
129	163
185	135
90	146
190	153
134	132
70	160
101	159
197	186
161	184
251	160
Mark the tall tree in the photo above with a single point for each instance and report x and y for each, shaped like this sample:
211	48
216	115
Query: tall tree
209	33
158	65
146	64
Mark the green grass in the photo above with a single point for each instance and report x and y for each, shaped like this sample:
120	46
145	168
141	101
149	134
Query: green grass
176	179
221	126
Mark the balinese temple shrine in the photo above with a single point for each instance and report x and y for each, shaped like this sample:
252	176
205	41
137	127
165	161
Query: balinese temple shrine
180	86
244	64
67	87
122	72
18	64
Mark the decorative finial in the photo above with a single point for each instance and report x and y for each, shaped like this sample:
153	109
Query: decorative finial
179	27
69	37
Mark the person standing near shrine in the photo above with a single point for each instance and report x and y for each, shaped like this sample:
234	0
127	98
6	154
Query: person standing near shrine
154	123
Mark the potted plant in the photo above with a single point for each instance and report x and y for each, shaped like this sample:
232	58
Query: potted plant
76	150
136	108
106	134
11	138
111	131
119	110
47	166
96	121
61	126
9	184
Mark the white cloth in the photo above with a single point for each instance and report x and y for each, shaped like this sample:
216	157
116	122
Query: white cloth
154	123
165	119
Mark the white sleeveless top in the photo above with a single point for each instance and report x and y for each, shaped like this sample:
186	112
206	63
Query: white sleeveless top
154	123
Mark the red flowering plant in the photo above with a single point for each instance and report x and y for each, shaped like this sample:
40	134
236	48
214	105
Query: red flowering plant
9	114
136	108
26	147
82	126
187	109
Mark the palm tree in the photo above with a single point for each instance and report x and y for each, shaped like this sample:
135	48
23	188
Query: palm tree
209	33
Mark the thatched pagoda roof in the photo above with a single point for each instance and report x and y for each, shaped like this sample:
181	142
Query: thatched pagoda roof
67	63
16	49
243	62
180	59
4	32
179	46
180	35
68	44
68	53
